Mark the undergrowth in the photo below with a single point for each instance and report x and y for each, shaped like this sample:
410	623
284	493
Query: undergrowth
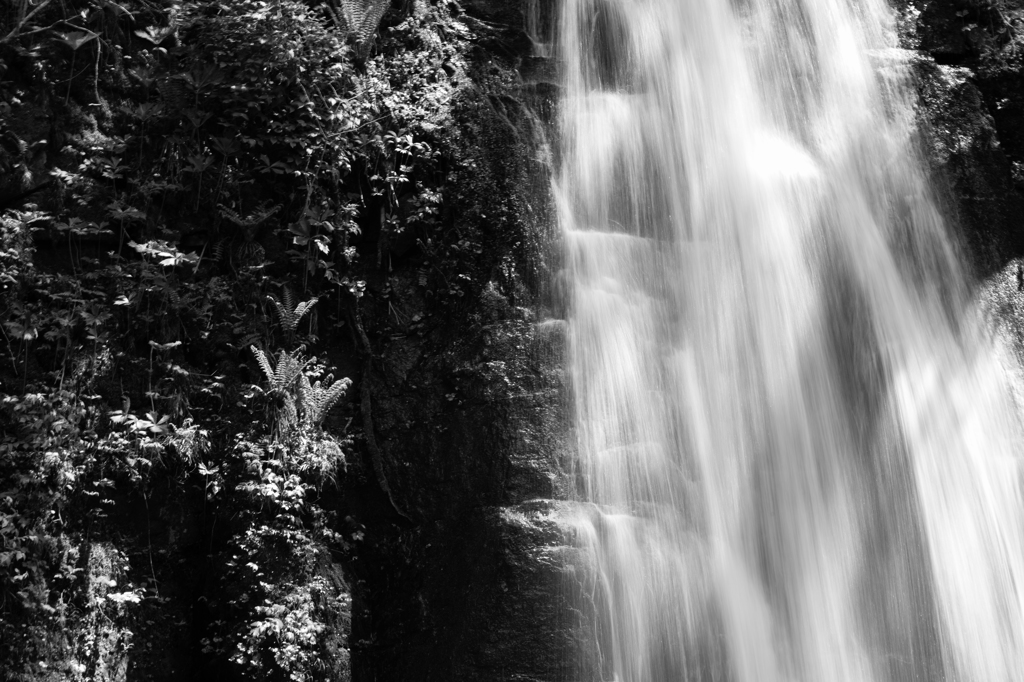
191	198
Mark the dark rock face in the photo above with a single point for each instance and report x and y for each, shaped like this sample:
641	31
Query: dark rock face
493	606
508	14
953	31
972	174
462	574
970	77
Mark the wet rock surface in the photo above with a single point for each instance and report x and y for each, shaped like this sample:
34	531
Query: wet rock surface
969	75
460	575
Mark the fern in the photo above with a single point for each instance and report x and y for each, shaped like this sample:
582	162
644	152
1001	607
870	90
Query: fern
254	218
303	402
249	339
174	298
290	313
337	17
317	399
303	308
264	361
250	255
360	18
288	370
353	12
219	249
374	13
283	374
174	92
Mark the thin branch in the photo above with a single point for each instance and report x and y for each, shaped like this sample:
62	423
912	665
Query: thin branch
62	22
24	21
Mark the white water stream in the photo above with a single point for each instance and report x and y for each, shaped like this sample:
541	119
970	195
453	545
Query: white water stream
799	452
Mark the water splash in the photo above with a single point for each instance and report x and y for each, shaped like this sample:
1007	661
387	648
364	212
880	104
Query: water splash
801	453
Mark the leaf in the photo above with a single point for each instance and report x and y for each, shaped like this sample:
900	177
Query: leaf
302	232
200	163
155	34
119	417
226	146
264	362
19	331
148	110
76	39
167	254
116	9
207	471
144	74
122	597
197	118
180	259
120	211
154	423
203	76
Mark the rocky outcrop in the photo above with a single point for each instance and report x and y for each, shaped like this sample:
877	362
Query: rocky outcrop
969	76
972	173
461	574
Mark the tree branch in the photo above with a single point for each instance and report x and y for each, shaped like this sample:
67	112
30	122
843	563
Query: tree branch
24	21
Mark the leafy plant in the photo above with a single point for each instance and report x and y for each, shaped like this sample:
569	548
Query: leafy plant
319	397
247	143
359	17
284	373
75	40
290	312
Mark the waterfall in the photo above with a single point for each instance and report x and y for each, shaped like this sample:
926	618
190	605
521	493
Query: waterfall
798	447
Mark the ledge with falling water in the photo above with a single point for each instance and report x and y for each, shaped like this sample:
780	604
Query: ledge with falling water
804	455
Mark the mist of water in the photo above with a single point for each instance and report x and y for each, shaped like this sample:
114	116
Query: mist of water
799	453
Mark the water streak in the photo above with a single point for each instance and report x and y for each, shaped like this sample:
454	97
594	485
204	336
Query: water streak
800	454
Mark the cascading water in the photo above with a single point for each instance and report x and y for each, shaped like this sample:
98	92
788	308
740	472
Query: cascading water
798	452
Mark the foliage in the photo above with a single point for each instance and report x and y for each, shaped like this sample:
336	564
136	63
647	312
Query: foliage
218	182
277	598
289	312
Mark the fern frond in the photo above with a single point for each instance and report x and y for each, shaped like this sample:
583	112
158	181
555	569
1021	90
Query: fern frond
305	398
303	308
288	312
264	362
288	298
230	214
219	249
374	13
288	370
317	399
353	11
285	315
248	340
173	297
361	18
330	396
254	218
337	17
281	375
